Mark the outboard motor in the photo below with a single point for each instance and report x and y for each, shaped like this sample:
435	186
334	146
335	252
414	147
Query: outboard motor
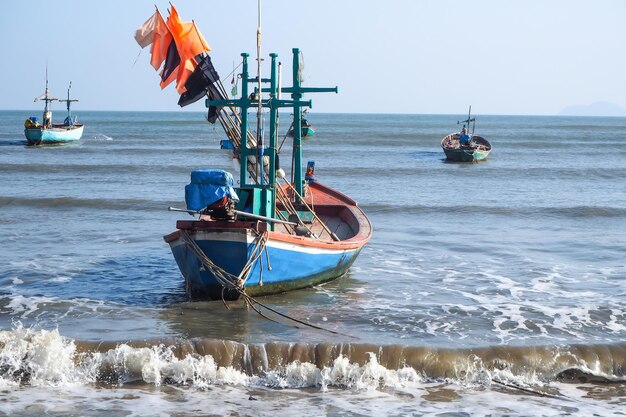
223	209
211	193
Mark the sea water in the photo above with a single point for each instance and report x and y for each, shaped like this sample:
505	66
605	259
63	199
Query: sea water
491	288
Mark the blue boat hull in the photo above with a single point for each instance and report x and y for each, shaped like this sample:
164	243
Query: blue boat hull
54	134
283	266
272	260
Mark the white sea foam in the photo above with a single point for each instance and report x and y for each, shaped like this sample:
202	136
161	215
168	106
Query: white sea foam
51	361
102	136
44	355
61	279
24	307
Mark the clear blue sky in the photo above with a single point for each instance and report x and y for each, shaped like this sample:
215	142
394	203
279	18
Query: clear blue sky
396	56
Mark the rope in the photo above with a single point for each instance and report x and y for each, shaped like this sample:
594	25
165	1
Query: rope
292	210
286	134
253	301
259	245
539	393
230	281
233	71
225	278
330	233
136	58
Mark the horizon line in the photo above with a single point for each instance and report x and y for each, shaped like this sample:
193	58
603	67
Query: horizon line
338	113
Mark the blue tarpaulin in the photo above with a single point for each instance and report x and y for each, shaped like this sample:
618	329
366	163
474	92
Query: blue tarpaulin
208	186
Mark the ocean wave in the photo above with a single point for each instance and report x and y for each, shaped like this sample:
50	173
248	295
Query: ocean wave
92	169
95	203
46	358
573	212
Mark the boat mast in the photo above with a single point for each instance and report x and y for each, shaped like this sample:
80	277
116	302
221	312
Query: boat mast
46	98
469	120
68	119
259	114
45	94
261	195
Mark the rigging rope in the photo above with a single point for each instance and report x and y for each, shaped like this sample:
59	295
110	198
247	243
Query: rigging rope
234	282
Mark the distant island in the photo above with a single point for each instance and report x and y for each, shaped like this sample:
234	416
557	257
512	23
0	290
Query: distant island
599	108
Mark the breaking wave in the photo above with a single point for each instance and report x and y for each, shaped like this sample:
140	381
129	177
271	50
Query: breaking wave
46	358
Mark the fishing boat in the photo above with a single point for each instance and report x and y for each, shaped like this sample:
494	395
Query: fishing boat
47	132
463	146
271	234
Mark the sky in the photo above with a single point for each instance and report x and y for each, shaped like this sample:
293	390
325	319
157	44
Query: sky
531	57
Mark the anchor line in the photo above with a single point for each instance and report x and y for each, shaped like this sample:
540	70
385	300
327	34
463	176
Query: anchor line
260	243
531	391
539	393
253	301
225	278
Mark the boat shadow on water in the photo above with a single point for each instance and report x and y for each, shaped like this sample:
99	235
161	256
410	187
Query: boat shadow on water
14	142
55	145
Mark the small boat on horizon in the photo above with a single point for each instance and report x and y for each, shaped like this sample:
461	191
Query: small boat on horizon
465	147
306	128
47	132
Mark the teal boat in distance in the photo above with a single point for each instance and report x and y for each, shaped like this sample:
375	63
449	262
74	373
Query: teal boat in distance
46	132
463	146
306	128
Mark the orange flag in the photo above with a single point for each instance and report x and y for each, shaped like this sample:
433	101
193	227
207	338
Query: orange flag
189	43
193	44
184	72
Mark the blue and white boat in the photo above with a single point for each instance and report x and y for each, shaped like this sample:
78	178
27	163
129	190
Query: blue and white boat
47	132
270	234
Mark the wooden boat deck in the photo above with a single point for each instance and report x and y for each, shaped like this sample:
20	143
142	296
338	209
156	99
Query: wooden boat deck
340	214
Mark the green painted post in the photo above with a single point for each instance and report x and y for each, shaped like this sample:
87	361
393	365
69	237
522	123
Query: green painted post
297	125
273	136
263	194
244	152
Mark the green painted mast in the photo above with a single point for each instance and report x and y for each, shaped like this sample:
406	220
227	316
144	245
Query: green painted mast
244	104
296	94
261	193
